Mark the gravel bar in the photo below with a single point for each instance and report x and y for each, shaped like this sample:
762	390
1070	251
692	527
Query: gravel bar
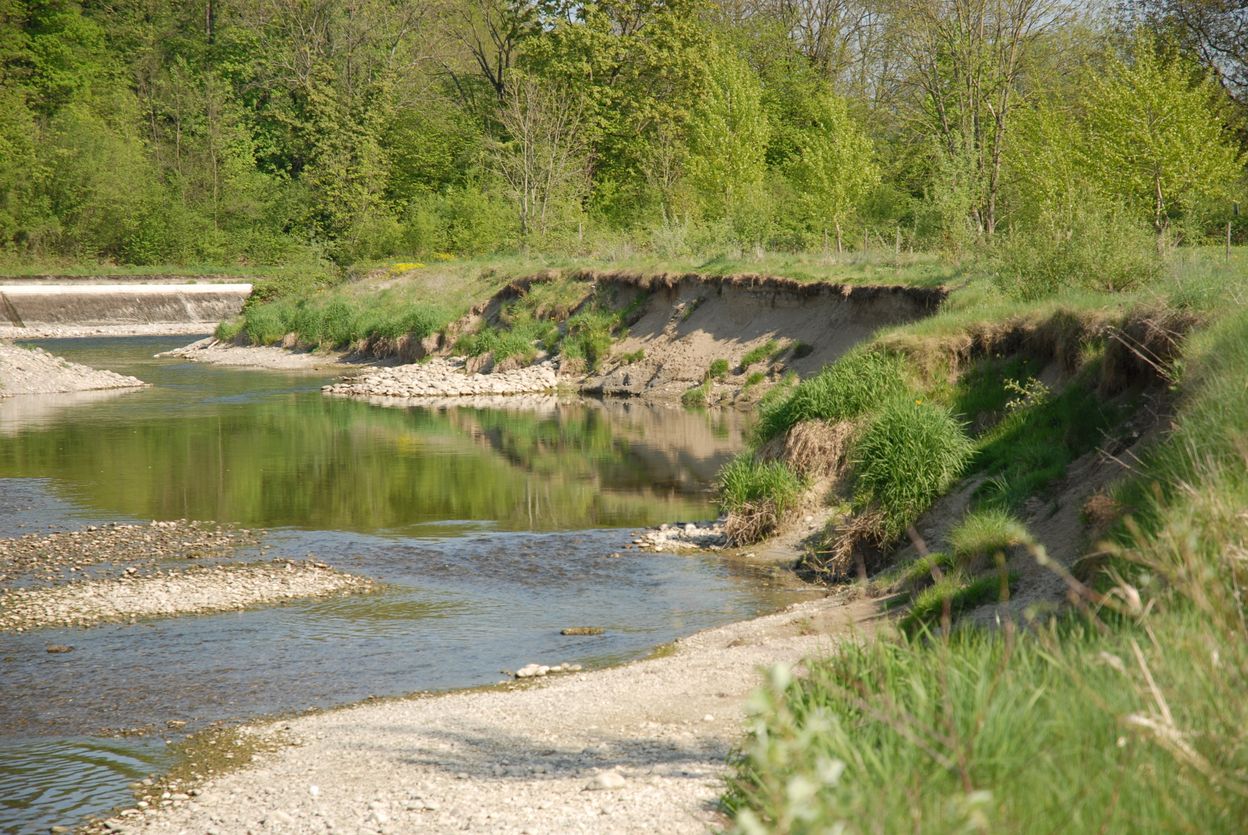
635	749
199	590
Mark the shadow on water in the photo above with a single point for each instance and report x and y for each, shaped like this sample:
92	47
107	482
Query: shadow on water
492	529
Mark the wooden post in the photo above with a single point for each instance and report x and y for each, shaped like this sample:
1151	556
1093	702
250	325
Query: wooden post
865	240
897	241
1228	240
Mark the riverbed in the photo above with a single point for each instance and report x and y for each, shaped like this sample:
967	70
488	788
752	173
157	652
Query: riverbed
492	530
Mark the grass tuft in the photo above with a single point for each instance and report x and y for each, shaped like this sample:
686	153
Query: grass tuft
907	457
852	386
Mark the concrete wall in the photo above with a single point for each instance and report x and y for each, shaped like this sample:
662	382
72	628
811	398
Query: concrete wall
26	305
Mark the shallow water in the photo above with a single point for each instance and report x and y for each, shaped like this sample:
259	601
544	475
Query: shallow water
491	529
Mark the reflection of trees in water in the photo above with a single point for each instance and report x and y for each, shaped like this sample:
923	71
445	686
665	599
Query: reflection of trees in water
309	461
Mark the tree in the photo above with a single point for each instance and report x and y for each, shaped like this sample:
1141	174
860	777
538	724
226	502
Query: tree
833	167
1154	136
968	58
728	134
543	159
1216	30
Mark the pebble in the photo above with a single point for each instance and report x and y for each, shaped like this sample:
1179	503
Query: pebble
447	377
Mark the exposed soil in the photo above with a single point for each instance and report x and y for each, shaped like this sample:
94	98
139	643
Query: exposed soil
34	371
640	748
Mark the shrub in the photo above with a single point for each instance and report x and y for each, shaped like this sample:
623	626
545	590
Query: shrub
1096	249
855	384
589	337
229	329
909	455
265	323
718	370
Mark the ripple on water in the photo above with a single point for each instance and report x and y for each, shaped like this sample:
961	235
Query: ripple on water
50	782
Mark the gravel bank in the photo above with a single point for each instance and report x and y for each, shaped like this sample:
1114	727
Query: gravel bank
35	371
215	352
53	557
639	748
447	378
199	590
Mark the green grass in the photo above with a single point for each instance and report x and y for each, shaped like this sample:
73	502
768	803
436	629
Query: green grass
718	370
908	456
1031	448
695	398
982	534
855	384
745	481
955	592
760	353
1125	718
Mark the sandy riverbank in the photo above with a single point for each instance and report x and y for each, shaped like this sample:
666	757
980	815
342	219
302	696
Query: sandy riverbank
34	371
639	748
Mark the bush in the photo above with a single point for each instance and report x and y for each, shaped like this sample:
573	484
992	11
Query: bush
694	398
266	324
852	386
718	370
909	455
1095	249
589	337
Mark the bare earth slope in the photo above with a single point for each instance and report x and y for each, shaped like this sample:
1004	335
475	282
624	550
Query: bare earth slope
639	748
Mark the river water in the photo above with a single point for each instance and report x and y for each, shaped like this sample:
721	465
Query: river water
491	528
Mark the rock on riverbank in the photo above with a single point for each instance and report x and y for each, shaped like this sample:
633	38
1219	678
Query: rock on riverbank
199	590
447	378
34	371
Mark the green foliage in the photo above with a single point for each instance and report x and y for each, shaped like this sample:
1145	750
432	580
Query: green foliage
589	336
1154	137
1094	247
1032	447
1059	725
745	481
717	370
855	384
954	593
907	457
694	398
728	135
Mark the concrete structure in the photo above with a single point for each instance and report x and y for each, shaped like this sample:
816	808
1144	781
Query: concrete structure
40	303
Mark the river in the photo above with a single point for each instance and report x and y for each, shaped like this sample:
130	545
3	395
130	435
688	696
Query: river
491	529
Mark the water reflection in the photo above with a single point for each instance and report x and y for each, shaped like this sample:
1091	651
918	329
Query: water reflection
267	450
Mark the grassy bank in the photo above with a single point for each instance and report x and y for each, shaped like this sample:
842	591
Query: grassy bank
1122	713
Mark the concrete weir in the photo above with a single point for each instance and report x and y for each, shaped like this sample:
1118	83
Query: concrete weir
40	303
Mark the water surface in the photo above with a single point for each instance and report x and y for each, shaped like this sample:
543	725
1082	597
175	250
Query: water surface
491	528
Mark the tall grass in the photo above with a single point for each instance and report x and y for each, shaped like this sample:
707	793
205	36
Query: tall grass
907	457
857	383
1130	723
